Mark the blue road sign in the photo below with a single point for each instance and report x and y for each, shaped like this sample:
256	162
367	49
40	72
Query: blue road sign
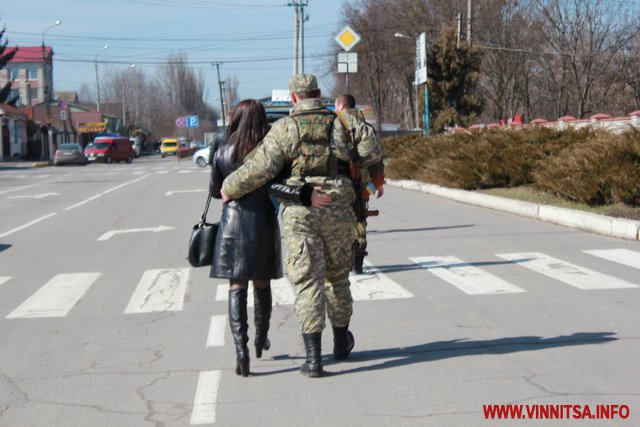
192	121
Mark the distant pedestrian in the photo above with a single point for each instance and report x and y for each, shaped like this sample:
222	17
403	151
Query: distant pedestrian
371	178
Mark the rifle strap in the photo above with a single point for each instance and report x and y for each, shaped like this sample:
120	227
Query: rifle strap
348	130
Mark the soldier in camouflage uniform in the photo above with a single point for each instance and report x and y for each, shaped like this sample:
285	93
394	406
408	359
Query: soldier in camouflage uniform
371	178
311	147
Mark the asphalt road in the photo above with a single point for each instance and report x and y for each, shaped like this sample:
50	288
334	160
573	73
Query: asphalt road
104	323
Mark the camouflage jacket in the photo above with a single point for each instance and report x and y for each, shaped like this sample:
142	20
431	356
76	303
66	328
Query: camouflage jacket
363	131
281	146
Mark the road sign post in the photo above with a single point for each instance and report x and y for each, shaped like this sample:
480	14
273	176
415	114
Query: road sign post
347	62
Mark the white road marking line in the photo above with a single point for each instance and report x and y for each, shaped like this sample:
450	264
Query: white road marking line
374	285
465	276
110	234
159	290
216	331
83	202
204	405
571	274
42	176
183	171
4	279
23	187
57	297
621	256
29	224
117	187
162	172
37	196
169	193
137	173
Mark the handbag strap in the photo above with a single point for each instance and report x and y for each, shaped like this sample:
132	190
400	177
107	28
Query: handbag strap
203	218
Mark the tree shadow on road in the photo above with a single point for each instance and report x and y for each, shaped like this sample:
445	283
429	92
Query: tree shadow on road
429	352
413	230
427	265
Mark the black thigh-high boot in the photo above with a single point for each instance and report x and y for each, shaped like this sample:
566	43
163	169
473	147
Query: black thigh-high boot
239	327
343	342
312	367
261	317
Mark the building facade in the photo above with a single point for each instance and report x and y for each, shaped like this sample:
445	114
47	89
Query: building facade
31	74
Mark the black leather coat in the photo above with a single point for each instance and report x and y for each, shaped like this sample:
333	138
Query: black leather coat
248	242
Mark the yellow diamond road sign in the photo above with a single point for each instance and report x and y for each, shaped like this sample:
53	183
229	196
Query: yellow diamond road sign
347	38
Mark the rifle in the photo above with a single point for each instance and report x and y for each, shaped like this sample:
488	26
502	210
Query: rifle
354	172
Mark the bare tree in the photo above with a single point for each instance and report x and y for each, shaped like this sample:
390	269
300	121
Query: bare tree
587	35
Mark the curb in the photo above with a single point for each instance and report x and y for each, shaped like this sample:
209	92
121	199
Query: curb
39	164
601	224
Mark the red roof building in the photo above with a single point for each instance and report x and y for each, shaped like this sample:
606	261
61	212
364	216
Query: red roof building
31	74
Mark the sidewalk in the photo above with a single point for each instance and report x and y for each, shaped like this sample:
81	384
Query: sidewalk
23	164
608	226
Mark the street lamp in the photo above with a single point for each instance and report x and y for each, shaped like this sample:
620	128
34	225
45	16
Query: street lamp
420	56
97	80
46	90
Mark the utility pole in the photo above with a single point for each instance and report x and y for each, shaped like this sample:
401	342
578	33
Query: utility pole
224	117
459	29
469	22
298	34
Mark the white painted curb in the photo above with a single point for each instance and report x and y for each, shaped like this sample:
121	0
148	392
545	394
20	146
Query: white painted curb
601	224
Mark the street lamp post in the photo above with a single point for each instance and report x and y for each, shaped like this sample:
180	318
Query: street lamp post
416	85
97	80
46	93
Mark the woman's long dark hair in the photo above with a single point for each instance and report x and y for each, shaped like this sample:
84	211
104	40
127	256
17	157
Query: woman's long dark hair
247	127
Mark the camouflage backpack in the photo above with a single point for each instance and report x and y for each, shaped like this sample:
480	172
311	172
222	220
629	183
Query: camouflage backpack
315	129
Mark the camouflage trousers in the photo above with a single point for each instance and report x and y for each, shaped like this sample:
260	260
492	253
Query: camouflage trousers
319	246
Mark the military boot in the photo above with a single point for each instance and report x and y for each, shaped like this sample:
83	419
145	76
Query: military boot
343	342
239	327
261	318
312	367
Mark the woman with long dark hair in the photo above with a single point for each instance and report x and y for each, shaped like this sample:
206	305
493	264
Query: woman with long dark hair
248	241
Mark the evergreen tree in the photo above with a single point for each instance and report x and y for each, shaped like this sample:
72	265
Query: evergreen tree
4	58
453	77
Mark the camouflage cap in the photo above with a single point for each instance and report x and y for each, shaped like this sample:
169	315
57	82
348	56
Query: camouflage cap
303	83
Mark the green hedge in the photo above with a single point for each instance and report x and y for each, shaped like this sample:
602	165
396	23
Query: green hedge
588	166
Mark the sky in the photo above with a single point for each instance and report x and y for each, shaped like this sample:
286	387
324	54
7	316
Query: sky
252	38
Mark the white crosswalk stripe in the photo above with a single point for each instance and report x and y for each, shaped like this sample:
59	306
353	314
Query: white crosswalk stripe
621	256
571	274
372	285
57	297
4	279
159	290
281	293
217	327
465	276
204	405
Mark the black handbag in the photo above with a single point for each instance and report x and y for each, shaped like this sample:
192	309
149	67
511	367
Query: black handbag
203	240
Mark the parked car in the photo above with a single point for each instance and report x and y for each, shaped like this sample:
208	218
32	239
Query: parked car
168	146
88	149
201	157
69	154
110	149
